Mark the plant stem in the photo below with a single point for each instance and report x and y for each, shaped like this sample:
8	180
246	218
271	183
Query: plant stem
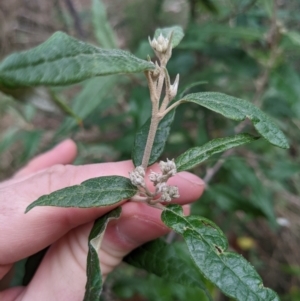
160	82
154	120
170	108
150	139
155	88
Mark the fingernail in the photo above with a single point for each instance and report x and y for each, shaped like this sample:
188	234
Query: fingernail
187	176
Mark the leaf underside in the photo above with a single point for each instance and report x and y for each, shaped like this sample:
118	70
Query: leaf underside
239	109
207	246
96	192
166	32
94	282
161	137
63	60
163	260
197	155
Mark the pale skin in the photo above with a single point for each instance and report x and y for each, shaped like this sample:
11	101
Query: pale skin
62	274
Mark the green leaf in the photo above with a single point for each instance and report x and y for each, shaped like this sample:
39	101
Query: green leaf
161	137
239	109
166	32
90	98
164	260
93	286
63	60
207	246
96	192
197	155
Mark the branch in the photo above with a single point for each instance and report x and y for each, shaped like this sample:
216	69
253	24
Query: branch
76	18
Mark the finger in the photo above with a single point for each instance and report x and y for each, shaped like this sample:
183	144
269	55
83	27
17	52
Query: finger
138	224
66	259
63	153
28	233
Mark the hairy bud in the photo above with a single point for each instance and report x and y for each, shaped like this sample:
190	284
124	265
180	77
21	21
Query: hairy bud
168	168
137	176
169	193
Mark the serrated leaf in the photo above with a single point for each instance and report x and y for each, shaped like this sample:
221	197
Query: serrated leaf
94	282
63	60
163	260
161	137
96	192
239	109
197	155
207	246
166	32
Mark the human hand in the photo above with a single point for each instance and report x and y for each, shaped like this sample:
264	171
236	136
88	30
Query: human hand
62	272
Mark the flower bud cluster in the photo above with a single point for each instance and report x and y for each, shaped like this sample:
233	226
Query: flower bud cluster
165	192
160	44
168	193
137	176
162	47
168	169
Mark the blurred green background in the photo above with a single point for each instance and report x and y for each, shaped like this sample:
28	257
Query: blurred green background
245	48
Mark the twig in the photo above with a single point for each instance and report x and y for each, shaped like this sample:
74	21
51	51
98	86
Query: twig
76	18
210	172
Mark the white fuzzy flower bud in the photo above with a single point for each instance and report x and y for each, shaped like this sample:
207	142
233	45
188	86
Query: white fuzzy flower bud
140	170
137	176
165	197
174	87
169	193
160	44
174	192
155	178
161	187
168	168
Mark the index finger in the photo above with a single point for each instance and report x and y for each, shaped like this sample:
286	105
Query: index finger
25	234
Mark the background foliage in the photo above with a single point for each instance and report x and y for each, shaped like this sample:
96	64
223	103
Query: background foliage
245	48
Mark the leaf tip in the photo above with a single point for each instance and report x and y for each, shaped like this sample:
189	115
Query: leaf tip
285	145
28	209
